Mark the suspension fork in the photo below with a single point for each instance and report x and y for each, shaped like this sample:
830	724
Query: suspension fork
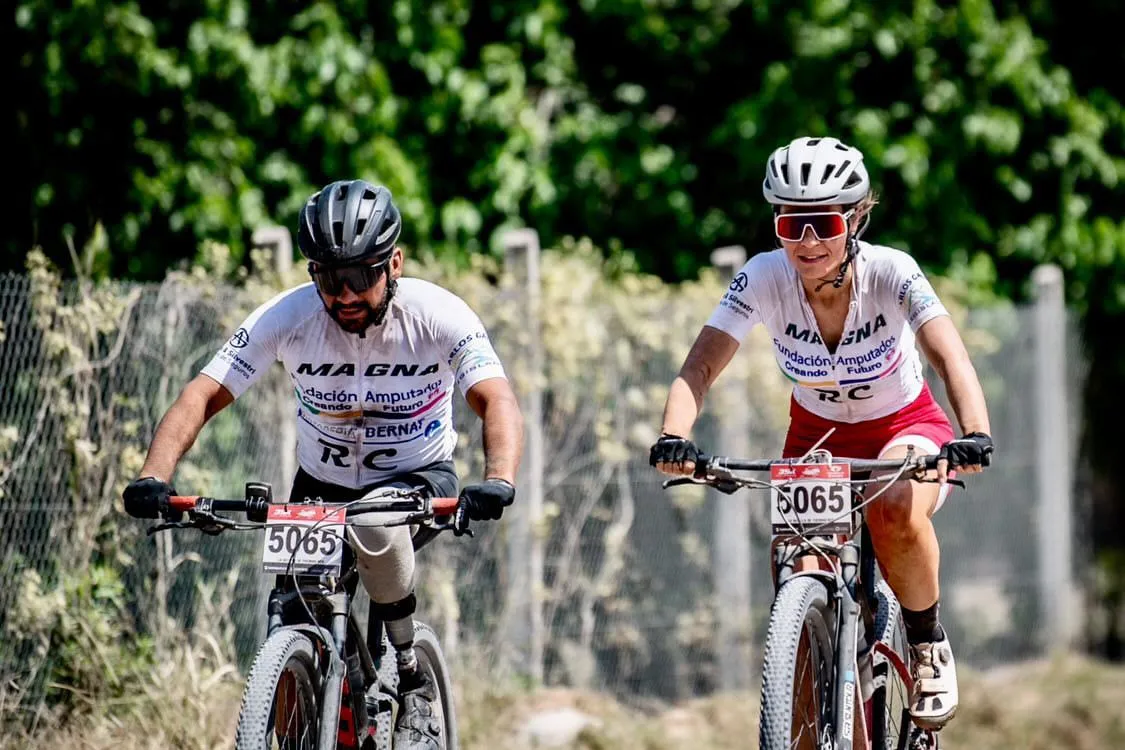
846	667
334	681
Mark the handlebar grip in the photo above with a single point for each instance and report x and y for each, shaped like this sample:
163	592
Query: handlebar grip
182	503
931	462
444	506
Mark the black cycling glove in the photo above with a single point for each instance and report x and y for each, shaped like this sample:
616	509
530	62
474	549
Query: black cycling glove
974	449
146	497
486	501
672	449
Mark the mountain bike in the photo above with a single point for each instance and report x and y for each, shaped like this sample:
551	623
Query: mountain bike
836	640
316	682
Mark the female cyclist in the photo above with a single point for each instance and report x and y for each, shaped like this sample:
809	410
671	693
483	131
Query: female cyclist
844	315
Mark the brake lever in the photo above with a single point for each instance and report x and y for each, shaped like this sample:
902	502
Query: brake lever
168	525
726	486
461	521
954	482
211	524
459	525
682	480
407	520
208	523
454	528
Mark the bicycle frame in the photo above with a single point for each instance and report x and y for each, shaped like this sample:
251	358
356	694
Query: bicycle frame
360	667
320	605
843	583
849	576
351	657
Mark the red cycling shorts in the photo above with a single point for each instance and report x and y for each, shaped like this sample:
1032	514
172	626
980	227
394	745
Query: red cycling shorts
922	424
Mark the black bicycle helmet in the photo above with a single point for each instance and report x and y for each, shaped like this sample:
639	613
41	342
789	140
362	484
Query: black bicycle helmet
349	221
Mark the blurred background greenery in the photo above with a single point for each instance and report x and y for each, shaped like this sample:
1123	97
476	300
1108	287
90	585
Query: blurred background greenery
994	132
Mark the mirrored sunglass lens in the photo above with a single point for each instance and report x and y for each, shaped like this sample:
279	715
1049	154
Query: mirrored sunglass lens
358	278
825	226
328	282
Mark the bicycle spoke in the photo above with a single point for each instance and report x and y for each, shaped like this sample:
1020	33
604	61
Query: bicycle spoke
807	702
292	727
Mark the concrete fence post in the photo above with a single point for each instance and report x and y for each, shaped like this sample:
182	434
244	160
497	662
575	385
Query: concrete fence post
1053	468
525	550
731	558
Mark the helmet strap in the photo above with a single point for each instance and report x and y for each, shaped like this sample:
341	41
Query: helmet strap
852	250
385	305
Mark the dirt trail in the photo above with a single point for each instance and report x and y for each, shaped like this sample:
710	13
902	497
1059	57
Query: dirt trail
1069	703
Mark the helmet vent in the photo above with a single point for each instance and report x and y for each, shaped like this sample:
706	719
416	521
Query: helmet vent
338	224
815	172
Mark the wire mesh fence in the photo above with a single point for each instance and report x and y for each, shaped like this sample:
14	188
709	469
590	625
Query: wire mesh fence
627	602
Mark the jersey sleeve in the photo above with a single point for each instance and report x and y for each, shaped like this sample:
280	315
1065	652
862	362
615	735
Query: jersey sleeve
914	293
463	340
738	311
250	351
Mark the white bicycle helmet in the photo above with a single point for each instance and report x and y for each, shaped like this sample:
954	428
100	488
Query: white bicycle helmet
816	172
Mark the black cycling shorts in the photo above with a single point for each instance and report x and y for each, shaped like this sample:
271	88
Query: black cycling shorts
438	479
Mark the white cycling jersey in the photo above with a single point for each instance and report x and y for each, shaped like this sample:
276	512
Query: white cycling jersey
373	406
875	369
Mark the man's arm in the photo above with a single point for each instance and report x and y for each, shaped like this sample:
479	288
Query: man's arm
201	399
496	405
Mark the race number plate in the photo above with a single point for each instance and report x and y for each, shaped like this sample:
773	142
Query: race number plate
304	539
812	498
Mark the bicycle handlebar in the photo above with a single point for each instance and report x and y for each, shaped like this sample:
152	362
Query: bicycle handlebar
257	507
858	464
716	471
201	511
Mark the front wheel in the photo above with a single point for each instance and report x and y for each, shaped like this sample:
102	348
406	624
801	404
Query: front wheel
432	661
890	698
280	706
797	673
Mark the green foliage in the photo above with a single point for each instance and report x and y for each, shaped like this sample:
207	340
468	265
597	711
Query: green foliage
608	120
154	134
82	632
92	377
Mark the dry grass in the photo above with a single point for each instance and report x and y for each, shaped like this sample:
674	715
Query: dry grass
1071	703
189	702
1065	703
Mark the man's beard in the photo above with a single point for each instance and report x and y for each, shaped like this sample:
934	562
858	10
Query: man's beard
374	315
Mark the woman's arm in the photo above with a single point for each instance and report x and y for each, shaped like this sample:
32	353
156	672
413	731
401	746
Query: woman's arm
945	350
709	355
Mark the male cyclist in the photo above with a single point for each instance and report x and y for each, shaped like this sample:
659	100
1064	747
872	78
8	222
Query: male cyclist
373	358
843	315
